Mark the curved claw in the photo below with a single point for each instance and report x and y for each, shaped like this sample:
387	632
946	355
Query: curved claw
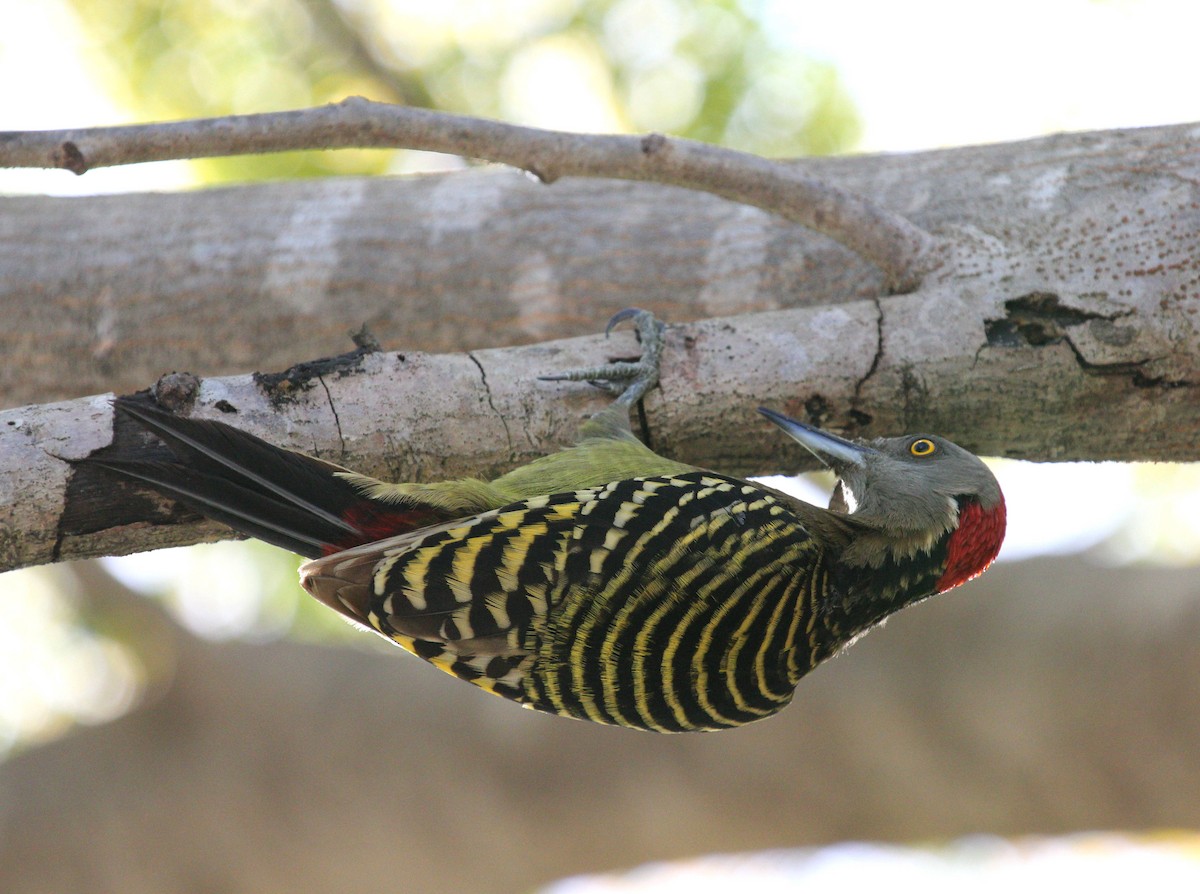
621	316
629	381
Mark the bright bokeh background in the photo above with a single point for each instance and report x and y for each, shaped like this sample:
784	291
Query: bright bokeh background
1097	863
775	76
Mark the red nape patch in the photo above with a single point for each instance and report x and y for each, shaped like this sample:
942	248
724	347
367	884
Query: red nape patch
380	522
974	543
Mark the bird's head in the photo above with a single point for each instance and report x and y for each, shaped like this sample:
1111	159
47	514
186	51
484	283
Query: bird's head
911	497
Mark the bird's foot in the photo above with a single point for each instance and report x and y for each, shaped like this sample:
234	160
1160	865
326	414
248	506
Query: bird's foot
629	380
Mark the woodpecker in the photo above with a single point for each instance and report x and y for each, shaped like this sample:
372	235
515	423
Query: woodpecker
606	582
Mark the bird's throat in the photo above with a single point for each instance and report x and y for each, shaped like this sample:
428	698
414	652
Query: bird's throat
896	574
973	545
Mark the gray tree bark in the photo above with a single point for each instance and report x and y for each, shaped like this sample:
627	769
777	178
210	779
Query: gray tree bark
1061	324
107	293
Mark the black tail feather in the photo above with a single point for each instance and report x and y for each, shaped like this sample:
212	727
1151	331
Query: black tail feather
285	498
223	450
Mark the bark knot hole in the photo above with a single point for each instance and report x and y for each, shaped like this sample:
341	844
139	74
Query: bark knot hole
1041	318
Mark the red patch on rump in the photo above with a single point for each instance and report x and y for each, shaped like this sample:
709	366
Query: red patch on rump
974	543
380	522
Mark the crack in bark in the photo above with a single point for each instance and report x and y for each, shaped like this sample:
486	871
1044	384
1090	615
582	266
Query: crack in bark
337	421
1140	380
487	389
861	418
60	533
1132	368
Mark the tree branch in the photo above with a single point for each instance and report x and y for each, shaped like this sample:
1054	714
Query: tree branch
261	276
902	250
1068	300
1023	378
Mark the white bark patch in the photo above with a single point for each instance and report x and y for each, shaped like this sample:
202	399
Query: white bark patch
934	325
536	295
463	203
305	254
1046	188
734	262
107	332
227	388
793	363
832	324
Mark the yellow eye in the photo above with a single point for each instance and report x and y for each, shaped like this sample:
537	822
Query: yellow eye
922	447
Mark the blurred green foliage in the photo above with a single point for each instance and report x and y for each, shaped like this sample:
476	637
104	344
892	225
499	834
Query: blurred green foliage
704	69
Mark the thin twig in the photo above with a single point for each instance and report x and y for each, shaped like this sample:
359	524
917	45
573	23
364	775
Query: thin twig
902	250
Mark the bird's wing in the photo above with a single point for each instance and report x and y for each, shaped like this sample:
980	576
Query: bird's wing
533	600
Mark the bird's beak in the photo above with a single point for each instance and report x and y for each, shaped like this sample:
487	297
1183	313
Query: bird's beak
831	450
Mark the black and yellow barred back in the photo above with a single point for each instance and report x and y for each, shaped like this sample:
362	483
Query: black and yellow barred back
669	603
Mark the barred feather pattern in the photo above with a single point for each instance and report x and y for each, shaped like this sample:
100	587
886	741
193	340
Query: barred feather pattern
669	603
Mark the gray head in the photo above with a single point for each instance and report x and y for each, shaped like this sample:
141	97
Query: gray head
911	491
